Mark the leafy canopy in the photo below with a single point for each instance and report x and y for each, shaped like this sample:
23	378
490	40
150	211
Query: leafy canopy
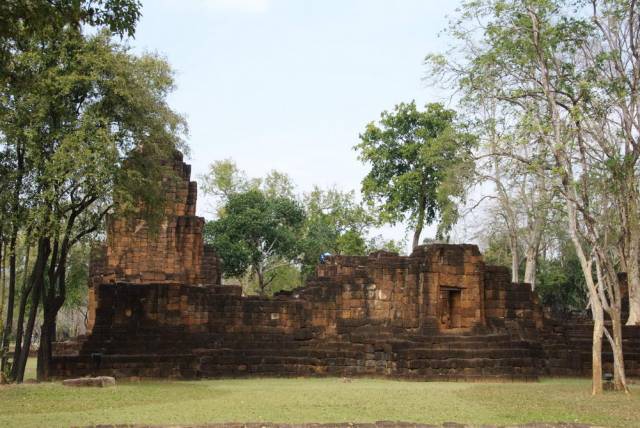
256	231
411	154
224	179
80	107
335	223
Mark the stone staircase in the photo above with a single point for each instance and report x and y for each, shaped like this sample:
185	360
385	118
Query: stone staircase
563	348
471	357
359	353
567	345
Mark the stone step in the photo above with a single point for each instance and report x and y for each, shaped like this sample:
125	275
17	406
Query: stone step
468	353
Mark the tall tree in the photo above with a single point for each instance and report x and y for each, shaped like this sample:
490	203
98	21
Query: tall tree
120	16
612	126
258	233
522	198
92	104
224	179
551	57
411	153
24	25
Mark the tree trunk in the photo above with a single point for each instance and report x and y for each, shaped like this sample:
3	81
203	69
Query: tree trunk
515	257
47	337
596	351
8	326
633	280
2	287
261	285
419	222
20	329
416	237
52	301
619	377
535	236
37	283
634	297
15	227
531	265
24	298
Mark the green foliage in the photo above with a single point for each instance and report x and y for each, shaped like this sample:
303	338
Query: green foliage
411	154
286	276
497	252
84	130
561	282
24	20
257	234
77	278
90	105
225	179
278	184
378	243
351	242
335	223
563	71
333	220
31	16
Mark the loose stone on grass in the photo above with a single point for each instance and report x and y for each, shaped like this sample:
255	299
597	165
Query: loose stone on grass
99	382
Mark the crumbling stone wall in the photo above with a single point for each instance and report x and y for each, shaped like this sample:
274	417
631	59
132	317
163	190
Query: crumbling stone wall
406	292
358	316
392	292
157	308
175	253
374	316
509	304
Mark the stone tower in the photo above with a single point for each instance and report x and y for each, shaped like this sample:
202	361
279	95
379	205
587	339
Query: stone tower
175	253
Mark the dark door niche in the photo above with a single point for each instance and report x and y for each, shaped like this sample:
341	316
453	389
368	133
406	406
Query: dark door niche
450	311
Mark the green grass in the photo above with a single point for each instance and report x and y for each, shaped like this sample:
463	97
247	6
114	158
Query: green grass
315	400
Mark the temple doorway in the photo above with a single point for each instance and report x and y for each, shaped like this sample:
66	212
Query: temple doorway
450	307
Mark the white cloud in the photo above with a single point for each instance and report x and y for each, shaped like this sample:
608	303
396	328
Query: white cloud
245	6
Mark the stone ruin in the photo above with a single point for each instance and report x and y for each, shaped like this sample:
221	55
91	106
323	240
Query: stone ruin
157	308
171	253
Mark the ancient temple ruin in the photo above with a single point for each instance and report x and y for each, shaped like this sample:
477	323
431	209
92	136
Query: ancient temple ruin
157	308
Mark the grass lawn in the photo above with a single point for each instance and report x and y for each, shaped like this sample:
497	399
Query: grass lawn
315	400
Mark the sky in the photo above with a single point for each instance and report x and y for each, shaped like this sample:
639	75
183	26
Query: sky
289	84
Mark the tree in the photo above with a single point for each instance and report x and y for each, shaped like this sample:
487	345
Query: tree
42	19
411	154
561	286
612	65
23	25
77	108
257	234
16	16
286	276
335	223
379	243
573	67
225	179
522	198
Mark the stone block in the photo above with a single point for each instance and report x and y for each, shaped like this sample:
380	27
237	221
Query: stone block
99	382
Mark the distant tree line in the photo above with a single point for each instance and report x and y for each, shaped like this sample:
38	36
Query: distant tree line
271	239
